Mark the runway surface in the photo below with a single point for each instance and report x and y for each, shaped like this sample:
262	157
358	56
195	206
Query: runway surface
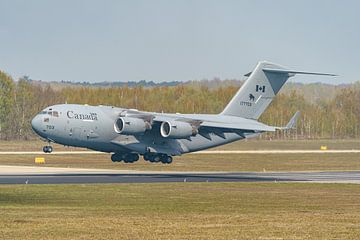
48	175
200	152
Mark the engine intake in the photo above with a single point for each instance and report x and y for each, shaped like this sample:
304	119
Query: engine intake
176	129
131	126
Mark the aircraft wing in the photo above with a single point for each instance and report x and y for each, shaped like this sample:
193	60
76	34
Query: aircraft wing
204	123
213	123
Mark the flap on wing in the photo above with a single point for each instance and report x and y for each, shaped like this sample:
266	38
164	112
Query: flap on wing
244	127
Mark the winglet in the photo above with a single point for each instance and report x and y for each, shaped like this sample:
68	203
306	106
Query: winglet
291	124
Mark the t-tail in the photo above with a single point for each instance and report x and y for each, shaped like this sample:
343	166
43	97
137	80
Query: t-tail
260	88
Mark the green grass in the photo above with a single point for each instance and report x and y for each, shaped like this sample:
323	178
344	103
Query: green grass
181	211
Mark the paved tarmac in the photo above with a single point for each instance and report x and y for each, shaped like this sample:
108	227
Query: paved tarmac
48	175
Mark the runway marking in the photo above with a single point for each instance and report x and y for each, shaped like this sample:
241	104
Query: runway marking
53	153
200	152
276	151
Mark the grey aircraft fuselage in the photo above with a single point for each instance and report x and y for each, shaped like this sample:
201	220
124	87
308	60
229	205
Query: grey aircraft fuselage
128	133
93	127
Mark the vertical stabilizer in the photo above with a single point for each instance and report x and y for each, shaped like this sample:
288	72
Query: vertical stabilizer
259	89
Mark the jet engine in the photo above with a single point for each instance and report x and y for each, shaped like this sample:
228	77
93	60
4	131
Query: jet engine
176	129
131	126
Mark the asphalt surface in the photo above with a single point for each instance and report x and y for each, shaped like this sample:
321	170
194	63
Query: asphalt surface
47	175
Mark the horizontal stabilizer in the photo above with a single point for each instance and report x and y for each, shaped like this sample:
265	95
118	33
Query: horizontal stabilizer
296	72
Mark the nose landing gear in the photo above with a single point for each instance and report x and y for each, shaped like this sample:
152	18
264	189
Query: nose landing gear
47	149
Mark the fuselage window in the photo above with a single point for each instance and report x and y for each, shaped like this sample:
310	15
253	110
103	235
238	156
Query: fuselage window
55	114
50	113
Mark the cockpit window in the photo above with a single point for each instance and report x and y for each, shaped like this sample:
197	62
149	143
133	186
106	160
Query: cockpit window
51	113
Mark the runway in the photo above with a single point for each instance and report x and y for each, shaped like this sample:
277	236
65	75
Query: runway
48	175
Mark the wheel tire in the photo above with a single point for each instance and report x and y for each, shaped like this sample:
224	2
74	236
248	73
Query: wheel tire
135	157
166	159
169	159
50	149
156	158
116	158
147	157
130	158
163	159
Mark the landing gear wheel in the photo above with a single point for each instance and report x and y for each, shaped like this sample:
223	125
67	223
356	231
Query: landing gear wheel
47	149
166	159
135	157
147	156
126	157
169	159
50	149
132	158
116	157
156	158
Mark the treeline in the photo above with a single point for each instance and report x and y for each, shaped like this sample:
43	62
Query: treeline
335	117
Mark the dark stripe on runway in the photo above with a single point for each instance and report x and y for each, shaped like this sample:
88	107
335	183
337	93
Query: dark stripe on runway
179	177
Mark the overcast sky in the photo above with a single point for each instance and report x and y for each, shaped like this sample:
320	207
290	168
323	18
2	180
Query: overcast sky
177	40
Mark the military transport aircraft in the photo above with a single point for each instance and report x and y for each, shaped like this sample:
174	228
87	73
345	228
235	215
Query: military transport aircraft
128	133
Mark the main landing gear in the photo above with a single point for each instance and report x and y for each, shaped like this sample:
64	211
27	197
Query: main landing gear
152	157
126	157
133	157
47	149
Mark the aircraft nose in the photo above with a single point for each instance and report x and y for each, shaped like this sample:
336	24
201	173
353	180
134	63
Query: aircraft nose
36	123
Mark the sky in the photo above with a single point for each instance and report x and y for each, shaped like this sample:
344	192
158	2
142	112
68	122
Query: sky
161	40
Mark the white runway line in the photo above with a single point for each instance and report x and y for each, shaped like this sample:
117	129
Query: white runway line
53	153
42	170
276	151
201	152
23	170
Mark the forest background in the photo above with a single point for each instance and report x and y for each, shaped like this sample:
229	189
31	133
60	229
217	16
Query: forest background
327	111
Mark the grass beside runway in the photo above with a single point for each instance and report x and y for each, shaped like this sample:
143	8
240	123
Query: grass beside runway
204	162
181	211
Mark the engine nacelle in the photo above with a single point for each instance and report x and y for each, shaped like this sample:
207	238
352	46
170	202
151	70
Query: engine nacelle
131	126
176	129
